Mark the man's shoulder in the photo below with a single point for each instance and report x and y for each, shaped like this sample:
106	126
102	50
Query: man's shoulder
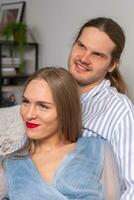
110	96
122	99
106	106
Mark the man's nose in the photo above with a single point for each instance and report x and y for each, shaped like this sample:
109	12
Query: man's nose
85	57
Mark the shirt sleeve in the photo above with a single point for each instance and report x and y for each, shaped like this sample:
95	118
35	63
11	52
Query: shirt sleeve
110	177
3	185
124	147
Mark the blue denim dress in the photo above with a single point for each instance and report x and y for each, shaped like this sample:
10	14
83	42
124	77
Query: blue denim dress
77	178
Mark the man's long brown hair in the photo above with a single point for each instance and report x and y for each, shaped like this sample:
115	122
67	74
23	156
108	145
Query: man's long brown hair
116	34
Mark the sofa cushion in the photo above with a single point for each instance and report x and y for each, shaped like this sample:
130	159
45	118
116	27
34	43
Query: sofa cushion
11	129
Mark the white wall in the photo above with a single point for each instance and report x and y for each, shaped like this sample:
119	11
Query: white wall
56	22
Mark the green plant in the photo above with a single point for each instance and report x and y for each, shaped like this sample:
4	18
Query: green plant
17	31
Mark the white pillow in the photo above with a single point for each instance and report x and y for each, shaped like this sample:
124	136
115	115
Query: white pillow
11	129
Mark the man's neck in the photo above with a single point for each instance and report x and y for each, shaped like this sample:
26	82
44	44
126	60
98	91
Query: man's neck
87	88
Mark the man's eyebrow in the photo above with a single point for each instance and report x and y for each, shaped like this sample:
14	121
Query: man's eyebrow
80	42
99	53
93	51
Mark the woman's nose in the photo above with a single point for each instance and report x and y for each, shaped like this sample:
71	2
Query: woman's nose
31	113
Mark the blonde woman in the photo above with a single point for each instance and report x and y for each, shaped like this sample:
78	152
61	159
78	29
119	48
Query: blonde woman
56	162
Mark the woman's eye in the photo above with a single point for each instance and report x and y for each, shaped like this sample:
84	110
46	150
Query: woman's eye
43	106
24	101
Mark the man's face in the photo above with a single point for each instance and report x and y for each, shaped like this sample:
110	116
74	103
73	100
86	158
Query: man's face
90	58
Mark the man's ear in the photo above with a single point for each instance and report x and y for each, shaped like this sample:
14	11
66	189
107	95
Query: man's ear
113	65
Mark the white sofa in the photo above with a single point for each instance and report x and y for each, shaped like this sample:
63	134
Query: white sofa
11	129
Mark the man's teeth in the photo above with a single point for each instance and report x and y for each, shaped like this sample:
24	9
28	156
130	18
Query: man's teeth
82	68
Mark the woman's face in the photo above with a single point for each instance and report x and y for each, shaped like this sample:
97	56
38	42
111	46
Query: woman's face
38	111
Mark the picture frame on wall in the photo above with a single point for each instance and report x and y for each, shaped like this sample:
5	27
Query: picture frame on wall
11	12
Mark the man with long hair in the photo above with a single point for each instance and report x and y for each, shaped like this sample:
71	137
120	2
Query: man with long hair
93	62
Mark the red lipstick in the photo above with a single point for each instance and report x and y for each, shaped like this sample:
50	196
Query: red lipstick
31	125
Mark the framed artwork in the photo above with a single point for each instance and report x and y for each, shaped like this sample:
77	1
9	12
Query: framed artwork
11	12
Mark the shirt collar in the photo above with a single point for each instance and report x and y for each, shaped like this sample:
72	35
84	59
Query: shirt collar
88	95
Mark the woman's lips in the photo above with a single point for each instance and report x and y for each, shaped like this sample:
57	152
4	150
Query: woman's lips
31	125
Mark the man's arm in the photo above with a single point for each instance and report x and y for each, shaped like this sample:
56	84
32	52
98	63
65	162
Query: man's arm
123	144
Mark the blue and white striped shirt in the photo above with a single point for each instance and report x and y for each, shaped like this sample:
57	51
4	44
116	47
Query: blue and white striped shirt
110	114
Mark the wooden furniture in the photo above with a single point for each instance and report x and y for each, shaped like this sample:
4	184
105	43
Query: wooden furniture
11	78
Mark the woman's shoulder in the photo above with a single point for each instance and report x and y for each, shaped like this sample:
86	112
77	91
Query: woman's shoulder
12	162
93	140
92	146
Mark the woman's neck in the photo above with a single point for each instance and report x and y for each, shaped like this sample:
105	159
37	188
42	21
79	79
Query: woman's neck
50	146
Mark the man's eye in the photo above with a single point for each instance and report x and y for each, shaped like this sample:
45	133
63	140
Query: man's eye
98	55
81	45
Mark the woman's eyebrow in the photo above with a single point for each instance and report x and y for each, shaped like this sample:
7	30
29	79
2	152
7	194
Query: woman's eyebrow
38	102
